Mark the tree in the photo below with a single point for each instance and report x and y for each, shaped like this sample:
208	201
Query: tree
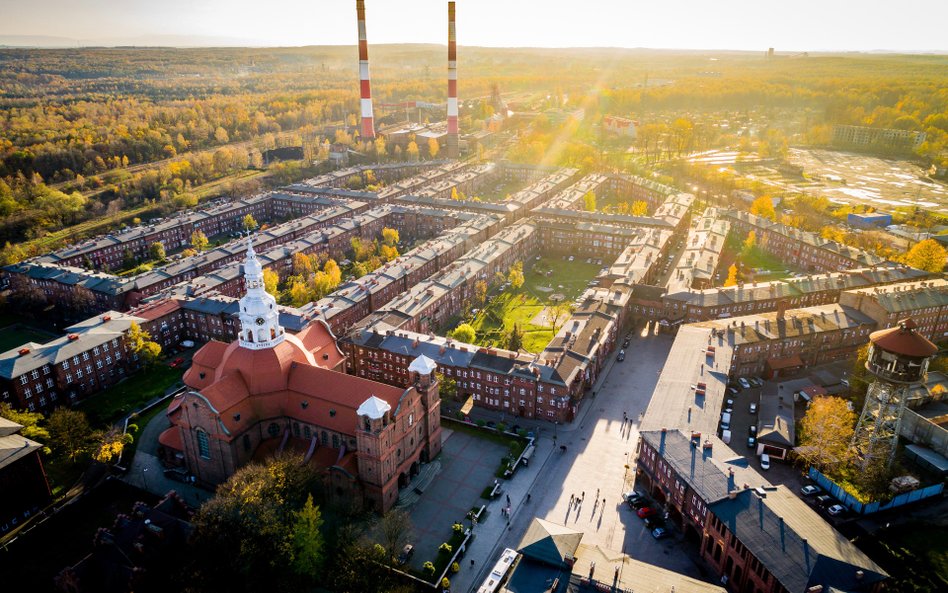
157	251
480	292
515	338
927	255
639	208
30	421
464	333
825	432
454	194
141	344
558	314
110	444
69	432
388	252
412	150
249	223
199	240
750	242
299	294
307	541
515	275
589	201
390	236
731	276
271	281
447	387
763	207
396	531
433	147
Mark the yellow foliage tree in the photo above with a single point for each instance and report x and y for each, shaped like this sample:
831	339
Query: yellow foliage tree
589	201
271	281
927	255
639	208
731	276
433	147
826	431
764	207
199	240
751	241
515	275
390	236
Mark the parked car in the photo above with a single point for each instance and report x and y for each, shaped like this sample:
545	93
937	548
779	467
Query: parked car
765	461
809	490
406	554
640	503
752	430
659	532
756	381
654	522
632	495
744	383
625	343
836	510
176	362
733	390
824	499
187	344
751	442
645	512
753	408
621	356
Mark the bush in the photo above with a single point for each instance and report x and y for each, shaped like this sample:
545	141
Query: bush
458	528
481	423
501	427
429	568
445	583
455	567
445	547
522	433
460	415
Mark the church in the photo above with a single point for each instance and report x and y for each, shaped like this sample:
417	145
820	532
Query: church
270	391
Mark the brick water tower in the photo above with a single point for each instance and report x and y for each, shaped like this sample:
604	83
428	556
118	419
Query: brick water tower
898	358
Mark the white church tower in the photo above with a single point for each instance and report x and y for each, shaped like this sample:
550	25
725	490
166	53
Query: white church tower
259	317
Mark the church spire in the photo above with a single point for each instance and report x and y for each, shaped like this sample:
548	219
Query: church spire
259	317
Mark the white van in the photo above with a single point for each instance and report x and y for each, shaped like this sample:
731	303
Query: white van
725	421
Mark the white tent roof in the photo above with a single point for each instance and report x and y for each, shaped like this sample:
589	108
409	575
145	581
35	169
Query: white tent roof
374	408
422	365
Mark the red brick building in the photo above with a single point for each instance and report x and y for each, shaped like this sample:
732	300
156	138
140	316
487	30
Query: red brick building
269	391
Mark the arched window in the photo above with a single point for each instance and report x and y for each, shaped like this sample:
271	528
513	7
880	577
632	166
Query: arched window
250	335
204	444
335	441
273	334
324	438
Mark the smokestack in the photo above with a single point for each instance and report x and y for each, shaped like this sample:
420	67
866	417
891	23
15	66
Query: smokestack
453	149
365	101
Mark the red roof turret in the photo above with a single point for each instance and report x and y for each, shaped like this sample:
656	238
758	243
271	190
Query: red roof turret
903	340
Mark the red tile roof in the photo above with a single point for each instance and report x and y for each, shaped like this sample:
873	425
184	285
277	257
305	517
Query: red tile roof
171	438
902	339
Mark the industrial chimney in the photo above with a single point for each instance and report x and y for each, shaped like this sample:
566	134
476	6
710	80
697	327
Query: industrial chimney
365	102
453	148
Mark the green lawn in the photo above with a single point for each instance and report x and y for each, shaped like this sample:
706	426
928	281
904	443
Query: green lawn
18	334
917	563
520	306
116	402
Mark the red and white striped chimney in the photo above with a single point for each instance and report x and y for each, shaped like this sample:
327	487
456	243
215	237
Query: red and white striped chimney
453	148
365	101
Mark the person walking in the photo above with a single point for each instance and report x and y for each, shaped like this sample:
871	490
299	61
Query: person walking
508	499
597	492
472	563
571	498
584	495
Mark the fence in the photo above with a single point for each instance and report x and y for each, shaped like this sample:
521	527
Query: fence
861	508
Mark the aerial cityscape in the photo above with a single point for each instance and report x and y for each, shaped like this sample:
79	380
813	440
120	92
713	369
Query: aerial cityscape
436	296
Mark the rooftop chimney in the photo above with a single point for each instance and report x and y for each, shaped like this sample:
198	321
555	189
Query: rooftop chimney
453	149
368	122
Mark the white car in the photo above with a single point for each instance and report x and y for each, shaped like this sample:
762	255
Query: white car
753	408
764	461
744	383
836	510
809	490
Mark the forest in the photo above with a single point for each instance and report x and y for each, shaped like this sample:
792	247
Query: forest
93	133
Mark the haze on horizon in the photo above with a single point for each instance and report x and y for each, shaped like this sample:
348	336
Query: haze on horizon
804	25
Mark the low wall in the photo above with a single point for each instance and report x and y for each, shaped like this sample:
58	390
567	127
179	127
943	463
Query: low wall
848	501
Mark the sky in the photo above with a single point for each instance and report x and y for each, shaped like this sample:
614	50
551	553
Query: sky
798	25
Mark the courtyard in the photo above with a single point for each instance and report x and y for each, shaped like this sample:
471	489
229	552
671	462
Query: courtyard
468	462
545	280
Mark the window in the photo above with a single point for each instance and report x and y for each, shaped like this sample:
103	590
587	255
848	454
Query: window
68	378
24	379
79	373
85	356
46	370
27	393
204	446
35	374
65	364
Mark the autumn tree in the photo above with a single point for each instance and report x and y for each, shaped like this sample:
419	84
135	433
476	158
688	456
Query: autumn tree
110	444
433	147
199	240
480	292
32	422
826	432
639	208
589	201
157	251
307	539
412	150
750	242
390	236
515	275
69	432
464	333
249	223
731	276
141	344
447	386
764	207
927	255
271	281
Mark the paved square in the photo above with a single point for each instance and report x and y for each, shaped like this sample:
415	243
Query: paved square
468	464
